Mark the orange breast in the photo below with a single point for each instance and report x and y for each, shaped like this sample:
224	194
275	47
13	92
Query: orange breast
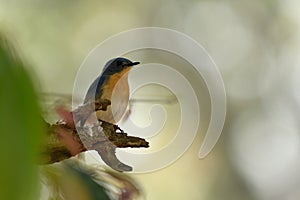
117	91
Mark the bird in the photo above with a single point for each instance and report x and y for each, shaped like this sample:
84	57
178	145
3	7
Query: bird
111	84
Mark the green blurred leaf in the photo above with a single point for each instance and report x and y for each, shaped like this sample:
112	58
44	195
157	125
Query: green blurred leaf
21	128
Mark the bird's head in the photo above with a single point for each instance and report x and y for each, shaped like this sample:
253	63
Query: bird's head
118	65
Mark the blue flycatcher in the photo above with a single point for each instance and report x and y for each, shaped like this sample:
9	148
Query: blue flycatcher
113	85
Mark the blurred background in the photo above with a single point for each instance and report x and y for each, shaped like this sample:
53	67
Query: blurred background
255	45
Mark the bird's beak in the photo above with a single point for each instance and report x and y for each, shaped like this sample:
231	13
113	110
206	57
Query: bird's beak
134	63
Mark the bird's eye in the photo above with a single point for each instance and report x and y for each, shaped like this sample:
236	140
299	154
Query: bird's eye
119	63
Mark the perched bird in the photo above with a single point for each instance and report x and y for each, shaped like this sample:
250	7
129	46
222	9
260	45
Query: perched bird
113	85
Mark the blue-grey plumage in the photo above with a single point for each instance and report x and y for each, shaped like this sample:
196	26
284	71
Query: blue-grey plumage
112	84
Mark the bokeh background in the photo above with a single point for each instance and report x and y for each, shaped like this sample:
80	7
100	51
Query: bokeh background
255	45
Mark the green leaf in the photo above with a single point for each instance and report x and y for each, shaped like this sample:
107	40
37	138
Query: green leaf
21	128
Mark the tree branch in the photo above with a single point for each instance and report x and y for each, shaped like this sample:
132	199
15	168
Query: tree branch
64	140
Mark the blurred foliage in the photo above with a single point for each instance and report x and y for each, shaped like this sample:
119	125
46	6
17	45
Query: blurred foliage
71	182
75	180
21	128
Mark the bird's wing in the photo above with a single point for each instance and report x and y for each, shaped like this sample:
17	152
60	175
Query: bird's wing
96	89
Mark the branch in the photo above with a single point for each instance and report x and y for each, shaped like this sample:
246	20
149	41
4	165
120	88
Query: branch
64	140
